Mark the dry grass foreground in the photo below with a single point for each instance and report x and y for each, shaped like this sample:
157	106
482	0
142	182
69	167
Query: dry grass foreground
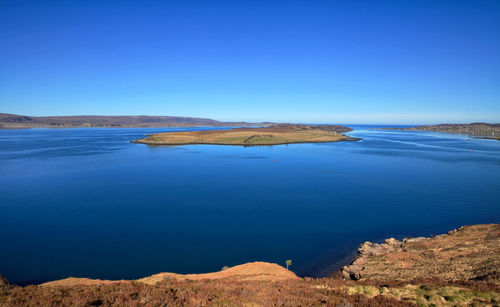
273	135
393	280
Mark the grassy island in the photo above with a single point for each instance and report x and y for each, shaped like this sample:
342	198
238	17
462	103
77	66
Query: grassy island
272	135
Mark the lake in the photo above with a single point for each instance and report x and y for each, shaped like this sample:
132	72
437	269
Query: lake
86	202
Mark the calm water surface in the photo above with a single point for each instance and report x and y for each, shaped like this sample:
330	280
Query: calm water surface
85	202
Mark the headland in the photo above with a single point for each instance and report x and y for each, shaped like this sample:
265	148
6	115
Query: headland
479	130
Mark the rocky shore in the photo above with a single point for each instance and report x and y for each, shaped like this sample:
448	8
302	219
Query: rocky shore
466	253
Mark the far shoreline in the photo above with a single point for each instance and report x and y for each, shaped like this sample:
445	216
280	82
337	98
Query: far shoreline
473	130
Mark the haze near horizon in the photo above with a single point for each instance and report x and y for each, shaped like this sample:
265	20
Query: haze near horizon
283	61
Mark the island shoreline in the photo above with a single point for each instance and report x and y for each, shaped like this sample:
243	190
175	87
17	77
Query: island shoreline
278	134
349	139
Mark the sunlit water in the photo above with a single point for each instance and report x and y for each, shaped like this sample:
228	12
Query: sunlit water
87	202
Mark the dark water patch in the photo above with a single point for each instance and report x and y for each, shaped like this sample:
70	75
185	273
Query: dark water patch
242	157
254	157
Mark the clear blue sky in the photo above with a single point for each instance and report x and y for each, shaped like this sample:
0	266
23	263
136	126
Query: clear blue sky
298	61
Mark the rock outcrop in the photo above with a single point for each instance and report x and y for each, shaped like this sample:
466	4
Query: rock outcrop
4	283
369	249
466	253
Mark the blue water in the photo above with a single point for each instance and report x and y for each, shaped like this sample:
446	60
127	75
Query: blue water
86	202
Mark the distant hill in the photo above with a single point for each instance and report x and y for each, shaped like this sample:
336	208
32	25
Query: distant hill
13	121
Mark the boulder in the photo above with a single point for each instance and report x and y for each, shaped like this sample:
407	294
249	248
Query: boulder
409	240
352	271
392	241
4	283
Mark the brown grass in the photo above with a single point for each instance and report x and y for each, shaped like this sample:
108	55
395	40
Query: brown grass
247	271
235	292
206	292
277	134
252	271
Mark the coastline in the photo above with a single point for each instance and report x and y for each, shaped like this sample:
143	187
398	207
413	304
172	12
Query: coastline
474	130
468	252
125	126
381	280
350	267
449	132
14	121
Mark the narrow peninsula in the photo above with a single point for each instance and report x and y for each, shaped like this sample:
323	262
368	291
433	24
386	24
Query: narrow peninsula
479	130
273	135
